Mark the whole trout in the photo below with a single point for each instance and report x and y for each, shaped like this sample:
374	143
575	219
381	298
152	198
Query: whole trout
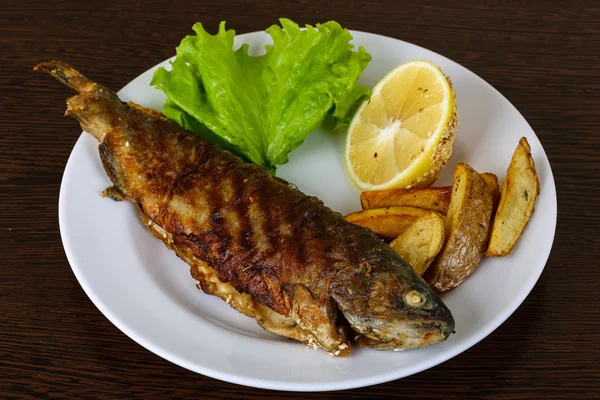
271	252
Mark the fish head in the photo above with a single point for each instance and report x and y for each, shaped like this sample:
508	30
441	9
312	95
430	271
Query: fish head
390	306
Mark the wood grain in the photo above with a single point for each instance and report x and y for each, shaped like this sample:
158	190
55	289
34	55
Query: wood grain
543	56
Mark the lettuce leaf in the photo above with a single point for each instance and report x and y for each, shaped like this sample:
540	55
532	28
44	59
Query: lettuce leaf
263	107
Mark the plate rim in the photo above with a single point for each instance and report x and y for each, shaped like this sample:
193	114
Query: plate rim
313	386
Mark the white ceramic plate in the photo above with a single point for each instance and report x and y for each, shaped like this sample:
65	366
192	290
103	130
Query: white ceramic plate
147	292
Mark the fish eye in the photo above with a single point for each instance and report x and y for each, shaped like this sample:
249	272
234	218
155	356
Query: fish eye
415	299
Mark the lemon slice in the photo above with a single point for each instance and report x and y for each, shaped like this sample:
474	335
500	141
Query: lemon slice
402	136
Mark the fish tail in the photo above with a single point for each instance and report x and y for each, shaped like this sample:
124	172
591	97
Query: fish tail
94	107
65	73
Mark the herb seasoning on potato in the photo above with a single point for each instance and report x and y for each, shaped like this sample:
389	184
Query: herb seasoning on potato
517	200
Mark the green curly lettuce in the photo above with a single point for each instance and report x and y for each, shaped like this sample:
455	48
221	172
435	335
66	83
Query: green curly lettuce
263	107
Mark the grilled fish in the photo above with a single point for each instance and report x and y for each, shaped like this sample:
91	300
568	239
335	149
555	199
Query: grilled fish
270	251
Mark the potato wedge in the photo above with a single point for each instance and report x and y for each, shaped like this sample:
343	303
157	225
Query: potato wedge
492	181
421	242
467	226
431	198
389	222
517	201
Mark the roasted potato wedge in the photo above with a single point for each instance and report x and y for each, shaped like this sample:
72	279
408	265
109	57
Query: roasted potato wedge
389	222
492	181
431	198
421	241
517	200
467	226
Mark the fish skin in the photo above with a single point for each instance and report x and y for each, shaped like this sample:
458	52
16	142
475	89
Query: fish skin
276	246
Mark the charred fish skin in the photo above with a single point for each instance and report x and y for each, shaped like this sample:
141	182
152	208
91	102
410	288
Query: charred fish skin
240	228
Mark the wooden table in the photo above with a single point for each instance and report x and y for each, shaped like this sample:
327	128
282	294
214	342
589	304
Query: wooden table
543	57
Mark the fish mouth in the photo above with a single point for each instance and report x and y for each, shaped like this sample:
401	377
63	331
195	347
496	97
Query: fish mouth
404	336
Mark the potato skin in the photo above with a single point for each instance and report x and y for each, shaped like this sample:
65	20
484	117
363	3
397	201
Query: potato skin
517	200
467	227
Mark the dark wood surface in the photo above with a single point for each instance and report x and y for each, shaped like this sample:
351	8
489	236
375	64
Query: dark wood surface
543	56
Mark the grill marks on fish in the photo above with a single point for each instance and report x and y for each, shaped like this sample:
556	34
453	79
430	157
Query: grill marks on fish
210	283
228	223
259	245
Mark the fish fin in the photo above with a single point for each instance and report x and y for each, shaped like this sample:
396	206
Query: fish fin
112	192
